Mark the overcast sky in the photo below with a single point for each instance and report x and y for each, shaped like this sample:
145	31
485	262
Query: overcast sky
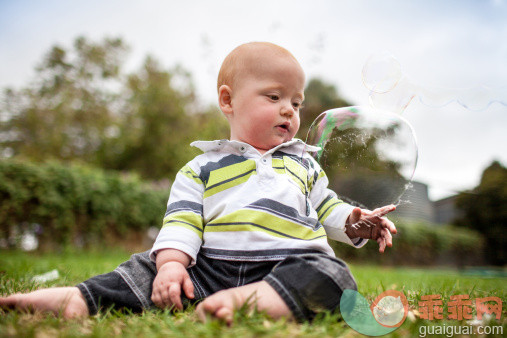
446	44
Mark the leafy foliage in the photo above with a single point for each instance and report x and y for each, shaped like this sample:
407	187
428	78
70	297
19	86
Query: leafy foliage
76	202
484	209
68	112
319	97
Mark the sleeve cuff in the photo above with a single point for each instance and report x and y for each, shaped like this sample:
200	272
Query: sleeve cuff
335	226
187	242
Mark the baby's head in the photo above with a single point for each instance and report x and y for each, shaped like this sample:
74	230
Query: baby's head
260	90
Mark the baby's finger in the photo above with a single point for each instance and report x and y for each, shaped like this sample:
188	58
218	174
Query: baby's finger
387	237
366	212
157	300
188	287
381	212
382	244
387	224
165	301
355	216
174	295
206	309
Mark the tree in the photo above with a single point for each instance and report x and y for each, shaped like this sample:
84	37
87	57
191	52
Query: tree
159	122
484	209
68	112
319	97
83	107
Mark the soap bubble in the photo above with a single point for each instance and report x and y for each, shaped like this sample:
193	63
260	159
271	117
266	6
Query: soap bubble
391	90
368	154
381	73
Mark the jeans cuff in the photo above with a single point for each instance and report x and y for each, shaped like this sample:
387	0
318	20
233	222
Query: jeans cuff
93	308
291	303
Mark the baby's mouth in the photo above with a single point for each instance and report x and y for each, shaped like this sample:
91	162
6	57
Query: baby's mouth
283	126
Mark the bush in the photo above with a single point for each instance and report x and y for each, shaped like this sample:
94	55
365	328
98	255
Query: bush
421	244
75	202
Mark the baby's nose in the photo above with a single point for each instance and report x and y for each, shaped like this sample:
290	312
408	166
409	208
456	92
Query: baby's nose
287	110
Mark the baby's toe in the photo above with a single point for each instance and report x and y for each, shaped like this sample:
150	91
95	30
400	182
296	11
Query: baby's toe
205	308
9	302
224	313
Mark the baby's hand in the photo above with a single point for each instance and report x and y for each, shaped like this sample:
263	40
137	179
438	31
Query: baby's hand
372	225
170	279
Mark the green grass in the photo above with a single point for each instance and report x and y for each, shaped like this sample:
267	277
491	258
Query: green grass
17	268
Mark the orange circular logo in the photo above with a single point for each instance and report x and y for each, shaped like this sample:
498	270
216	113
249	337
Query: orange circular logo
390	308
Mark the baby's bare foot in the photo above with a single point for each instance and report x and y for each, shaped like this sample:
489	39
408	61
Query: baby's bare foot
65	301
260	295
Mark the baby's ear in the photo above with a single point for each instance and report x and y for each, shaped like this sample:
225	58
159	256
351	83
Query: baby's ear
225	99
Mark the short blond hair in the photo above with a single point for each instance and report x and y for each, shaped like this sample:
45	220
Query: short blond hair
241	57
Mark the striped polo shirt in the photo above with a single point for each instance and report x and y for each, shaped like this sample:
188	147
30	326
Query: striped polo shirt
233	203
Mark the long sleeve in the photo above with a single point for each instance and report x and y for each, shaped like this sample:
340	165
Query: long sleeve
183	224
332	212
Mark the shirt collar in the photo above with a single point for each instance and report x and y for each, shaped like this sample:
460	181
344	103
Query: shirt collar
295	145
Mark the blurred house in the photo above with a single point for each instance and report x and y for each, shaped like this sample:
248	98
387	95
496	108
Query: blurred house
445	210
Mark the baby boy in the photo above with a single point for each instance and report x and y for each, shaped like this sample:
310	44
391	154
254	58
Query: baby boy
247	221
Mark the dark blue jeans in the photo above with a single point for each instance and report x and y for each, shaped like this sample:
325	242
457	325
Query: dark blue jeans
308	283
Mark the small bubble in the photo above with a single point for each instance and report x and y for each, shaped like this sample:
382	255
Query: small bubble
381	73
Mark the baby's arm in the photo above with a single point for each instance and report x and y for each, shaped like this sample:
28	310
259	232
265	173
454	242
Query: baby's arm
372	225
179	240
172	276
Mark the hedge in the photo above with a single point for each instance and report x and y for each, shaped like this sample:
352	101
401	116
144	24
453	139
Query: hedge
79	202
75	201
421	244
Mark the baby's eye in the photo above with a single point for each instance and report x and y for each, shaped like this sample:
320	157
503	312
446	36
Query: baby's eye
273	97
297	105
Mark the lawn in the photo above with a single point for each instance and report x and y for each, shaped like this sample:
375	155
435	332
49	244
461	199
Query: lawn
17	269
